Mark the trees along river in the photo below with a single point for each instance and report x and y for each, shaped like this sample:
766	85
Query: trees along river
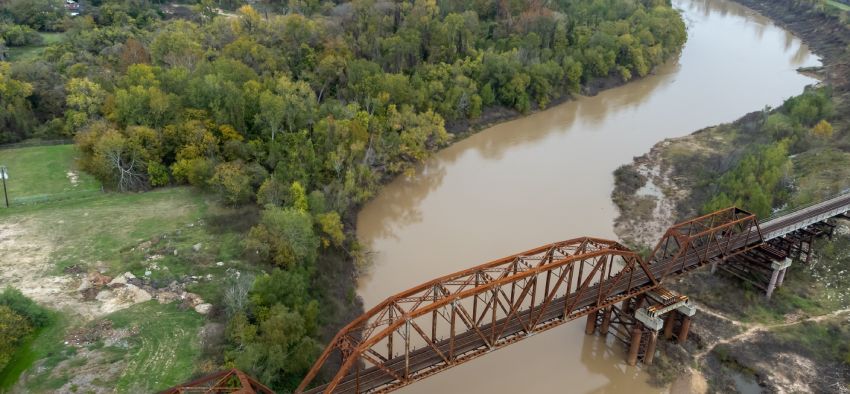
304	108
548	177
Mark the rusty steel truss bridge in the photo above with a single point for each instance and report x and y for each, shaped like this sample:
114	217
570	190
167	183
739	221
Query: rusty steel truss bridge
458	317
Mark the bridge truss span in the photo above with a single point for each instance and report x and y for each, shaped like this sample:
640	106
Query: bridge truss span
458	317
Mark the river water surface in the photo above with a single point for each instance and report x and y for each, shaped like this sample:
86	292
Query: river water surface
548	177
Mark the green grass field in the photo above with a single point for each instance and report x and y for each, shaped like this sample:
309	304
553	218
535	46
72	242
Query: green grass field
44	172
97	228
165	350
33	51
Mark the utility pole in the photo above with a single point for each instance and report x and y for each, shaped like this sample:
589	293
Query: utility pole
5	175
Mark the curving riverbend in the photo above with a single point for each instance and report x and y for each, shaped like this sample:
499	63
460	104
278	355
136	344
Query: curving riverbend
548	177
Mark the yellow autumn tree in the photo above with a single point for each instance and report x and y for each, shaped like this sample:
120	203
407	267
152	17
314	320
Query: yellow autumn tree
823	129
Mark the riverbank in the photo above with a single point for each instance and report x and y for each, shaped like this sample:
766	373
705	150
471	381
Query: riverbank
459	130
791	343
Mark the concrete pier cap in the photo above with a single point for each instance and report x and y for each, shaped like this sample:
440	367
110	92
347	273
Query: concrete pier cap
651	322
687	309
778	265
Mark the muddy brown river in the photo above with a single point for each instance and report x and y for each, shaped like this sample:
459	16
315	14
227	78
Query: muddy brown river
548	177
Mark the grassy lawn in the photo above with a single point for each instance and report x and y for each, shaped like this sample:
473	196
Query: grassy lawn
31	52
44	172
98	228
104	231
185	233
162	352
165	350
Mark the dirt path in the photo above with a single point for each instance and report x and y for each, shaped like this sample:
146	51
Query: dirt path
752	329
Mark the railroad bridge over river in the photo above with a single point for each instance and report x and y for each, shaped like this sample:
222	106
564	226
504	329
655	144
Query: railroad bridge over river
458	317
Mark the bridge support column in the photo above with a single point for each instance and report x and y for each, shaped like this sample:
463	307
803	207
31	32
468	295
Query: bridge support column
650	347
634	345
590	327
778	275
772	285
668	324
685	329
606	321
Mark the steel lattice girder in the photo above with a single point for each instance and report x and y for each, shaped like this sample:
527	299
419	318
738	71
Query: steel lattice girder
480	309
718	235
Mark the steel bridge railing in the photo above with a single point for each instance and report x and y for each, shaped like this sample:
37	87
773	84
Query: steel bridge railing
783	223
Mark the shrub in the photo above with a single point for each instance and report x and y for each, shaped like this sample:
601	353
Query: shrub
21	305
19	36
13	328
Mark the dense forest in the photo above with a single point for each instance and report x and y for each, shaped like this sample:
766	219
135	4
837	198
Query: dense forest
302	107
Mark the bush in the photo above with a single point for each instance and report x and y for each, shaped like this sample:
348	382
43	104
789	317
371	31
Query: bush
37	315
13	328
19	36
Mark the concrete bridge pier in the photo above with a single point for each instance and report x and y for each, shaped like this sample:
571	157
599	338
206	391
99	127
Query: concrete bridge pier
778	275
606	321
634	344
649	354
590	326
684	330
669	322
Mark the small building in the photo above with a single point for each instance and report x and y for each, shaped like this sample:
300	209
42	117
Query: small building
72	7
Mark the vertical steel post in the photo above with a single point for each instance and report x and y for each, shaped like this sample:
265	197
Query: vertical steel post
434	318
475	302
357	378
493	323
452	332
3	174
390	337
407	349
